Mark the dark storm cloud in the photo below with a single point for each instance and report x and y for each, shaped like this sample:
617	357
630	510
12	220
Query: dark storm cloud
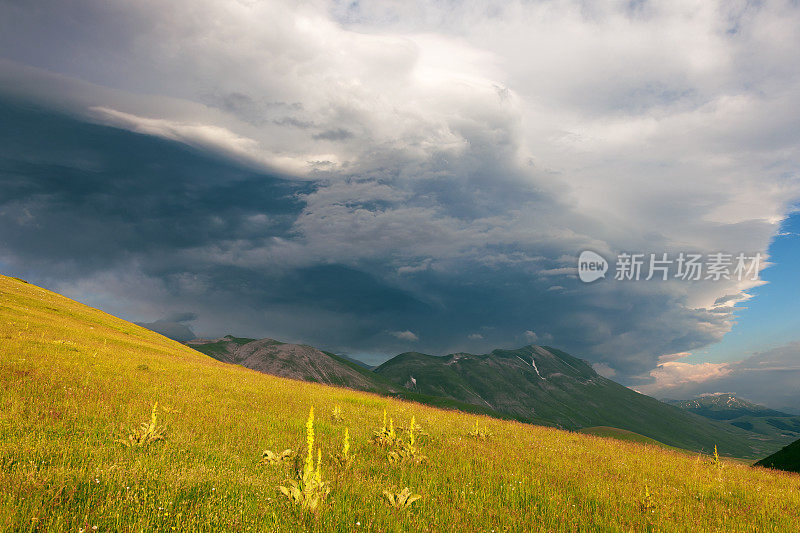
80	199
438	179
82	196
174	327
158	223
182	317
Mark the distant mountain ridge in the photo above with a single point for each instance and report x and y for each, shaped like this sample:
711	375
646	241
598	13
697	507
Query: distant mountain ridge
725	406
769	425
537	384
306	363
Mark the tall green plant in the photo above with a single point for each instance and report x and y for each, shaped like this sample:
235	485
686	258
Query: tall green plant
308	490
147	433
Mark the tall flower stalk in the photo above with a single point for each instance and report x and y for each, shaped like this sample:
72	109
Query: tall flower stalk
309	489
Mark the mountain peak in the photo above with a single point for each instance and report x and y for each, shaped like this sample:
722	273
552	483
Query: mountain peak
547	386
295	361
725	406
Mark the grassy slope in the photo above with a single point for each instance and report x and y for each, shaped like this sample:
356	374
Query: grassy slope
621	434
71	376
787	458
773	431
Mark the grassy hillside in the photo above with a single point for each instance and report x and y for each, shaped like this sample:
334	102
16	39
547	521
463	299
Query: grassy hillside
546	386
787	458
73	379
621	434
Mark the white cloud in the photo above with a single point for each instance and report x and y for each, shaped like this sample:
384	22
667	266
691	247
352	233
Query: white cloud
215	139
475	336
674	374
670	357
604	370
768	377
405	335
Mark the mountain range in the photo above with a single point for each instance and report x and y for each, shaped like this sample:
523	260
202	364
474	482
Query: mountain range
306	363
726	406
534	384
767	424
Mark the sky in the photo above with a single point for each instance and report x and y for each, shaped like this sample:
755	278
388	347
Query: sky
373	178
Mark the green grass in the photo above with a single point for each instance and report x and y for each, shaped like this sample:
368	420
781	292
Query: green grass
621	434
787	458
73	380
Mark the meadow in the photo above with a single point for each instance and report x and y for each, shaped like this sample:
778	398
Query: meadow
75	383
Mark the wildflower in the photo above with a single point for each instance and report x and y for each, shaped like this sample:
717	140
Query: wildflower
402	499
269	457
343	458
309	489
147	433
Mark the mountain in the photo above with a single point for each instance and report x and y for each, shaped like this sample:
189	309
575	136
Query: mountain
725	406
787	458
544	385
772	427
306	363
294	361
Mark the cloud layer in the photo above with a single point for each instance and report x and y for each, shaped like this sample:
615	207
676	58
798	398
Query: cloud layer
769	378
378	177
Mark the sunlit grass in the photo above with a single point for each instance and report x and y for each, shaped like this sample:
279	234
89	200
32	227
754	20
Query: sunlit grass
73	379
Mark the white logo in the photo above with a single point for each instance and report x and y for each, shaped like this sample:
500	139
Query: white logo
591	266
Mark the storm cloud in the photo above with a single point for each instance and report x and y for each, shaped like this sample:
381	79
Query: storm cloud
372	179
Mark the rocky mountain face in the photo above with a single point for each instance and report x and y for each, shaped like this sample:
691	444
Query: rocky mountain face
294	361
